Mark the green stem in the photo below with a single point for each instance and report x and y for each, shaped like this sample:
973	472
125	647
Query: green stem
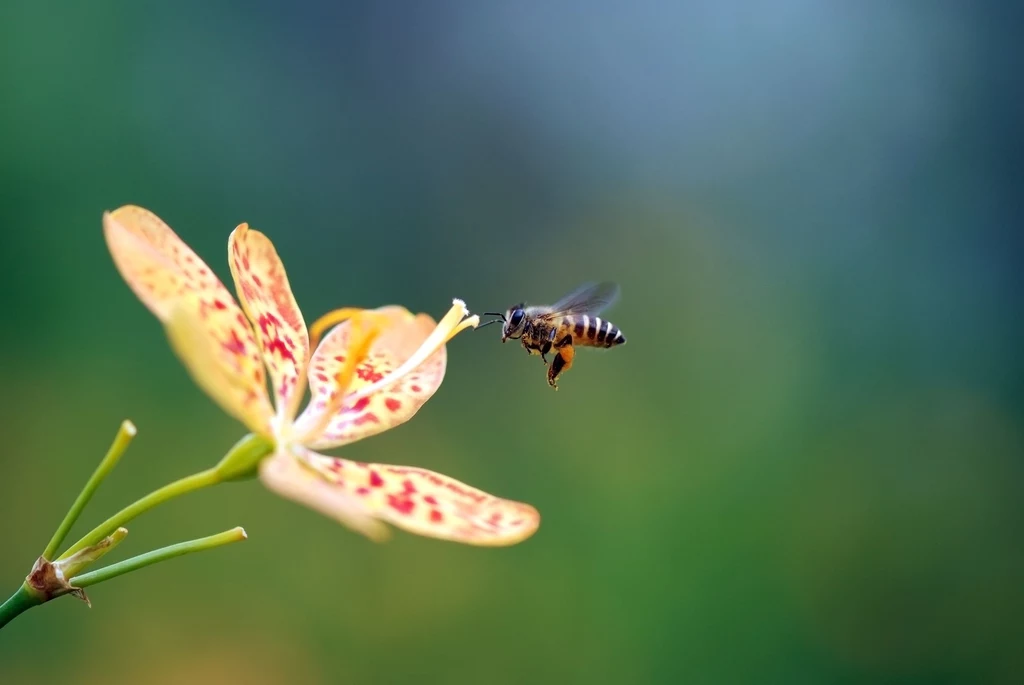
171	490
117	448
22	600
158	555
241	461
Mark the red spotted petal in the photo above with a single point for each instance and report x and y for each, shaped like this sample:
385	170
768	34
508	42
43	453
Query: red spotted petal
413	499
217	346
157	265
266	296
391	406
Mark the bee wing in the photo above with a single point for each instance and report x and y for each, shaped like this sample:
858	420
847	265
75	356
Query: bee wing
589	298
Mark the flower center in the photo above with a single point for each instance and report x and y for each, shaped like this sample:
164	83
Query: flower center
365	327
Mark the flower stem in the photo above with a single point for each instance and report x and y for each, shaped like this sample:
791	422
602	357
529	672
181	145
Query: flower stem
179	487
241	461
158	555
117	448
22	600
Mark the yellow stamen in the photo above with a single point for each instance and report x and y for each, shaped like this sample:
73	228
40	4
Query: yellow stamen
328	320
316	333
365	328
468	322
454	322
364	331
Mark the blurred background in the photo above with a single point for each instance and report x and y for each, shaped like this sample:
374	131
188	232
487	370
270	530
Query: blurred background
805	467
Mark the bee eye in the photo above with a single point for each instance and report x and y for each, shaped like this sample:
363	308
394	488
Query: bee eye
516	318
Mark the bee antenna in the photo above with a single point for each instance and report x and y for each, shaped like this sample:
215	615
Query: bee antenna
488	323
495	314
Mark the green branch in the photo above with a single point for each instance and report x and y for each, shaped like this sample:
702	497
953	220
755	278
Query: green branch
117	448
171	490
158	555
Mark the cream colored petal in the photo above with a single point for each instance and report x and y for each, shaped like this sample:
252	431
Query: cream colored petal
413	499
216	345
285	475
389	407
157	265
454	322
266	297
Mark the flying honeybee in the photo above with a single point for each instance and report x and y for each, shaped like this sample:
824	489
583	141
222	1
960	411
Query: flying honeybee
571	321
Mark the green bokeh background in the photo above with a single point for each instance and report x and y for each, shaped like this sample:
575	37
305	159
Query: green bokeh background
805	467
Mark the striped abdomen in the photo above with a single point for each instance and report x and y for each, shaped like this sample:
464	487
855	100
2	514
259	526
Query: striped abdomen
593	331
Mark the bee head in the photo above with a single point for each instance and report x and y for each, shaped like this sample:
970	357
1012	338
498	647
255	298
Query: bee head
514	322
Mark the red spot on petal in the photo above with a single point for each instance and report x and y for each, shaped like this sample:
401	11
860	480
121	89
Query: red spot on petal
392	404
362	404
235	345
365	418
277	345
256	280
403	505
375	480
436	516
339	357
266	320
430	499
336	465
363	491
368	373
322	377
219	305
408	486
517	522
416	388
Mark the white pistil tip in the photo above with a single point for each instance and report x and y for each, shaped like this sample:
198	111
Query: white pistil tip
460	304
241	531
129	428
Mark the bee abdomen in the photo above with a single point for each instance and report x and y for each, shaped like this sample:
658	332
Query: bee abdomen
609	335
594	331
614	337
579	327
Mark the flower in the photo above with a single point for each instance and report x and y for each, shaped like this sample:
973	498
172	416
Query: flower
372	371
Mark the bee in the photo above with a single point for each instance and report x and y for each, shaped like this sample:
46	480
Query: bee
570	322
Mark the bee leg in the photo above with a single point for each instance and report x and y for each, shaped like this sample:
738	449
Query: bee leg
562	361
543	351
